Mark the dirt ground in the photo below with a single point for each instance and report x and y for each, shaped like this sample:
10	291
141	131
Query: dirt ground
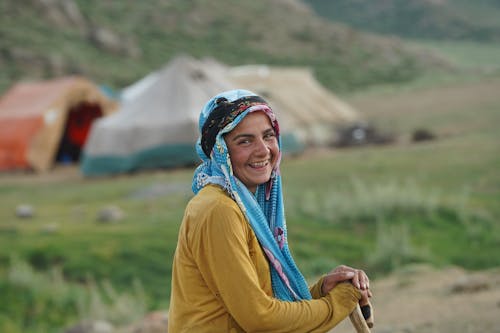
422	299
59	173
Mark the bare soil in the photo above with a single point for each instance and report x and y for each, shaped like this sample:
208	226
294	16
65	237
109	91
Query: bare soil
422	299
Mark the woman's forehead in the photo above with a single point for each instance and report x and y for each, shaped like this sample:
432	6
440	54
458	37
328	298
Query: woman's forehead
253	119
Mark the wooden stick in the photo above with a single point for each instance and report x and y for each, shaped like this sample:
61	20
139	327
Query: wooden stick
361	324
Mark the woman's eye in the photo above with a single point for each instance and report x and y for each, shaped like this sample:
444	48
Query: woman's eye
242	142
269	136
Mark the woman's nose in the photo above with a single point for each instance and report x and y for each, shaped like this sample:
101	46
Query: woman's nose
262	147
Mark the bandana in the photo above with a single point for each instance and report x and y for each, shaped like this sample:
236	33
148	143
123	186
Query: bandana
264	210
224	113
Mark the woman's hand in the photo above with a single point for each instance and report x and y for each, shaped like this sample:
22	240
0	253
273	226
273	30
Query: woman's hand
344	273
365	297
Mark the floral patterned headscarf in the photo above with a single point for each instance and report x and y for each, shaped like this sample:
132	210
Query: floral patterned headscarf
264	209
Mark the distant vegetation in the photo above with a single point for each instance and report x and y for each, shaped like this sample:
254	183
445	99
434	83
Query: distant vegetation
418	19
466	33
118	42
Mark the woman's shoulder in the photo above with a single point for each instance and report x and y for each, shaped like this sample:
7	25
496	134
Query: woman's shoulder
213	209
212	198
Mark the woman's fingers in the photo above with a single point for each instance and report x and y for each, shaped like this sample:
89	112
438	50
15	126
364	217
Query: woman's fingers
333	278
361	280
365	295
345	273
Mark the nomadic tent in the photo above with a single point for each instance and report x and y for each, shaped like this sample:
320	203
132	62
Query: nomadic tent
301	103
156	125
48	121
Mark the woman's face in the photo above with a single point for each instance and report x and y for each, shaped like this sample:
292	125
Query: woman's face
253	148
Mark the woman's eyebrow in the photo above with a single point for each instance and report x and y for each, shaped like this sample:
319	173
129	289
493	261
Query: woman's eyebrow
248	135
242	135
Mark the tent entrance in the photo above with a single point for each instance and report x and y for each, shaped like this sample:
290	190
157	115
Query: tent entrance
78	123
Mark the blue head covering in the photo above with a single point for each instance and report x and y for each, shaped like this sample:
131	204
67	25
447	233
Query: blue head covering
264	209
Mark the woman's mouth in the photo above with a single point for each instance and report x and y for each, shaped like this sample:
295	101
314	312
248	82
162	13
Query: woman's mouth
260	164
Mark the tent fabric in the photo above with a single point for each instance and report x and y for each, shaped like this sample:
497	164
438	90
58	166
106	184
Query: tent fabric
302	104
157	122
156	125
33	117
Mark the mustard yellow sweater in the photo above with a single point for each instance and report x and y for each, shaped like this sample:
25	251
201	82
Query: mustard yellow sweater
221	280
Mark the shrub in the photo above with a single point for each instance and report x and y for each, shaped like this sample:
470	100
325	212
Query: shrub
45	302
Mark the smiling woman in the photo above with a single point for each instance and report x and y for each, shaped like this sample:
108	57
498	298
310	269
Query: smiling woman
254	150
232	269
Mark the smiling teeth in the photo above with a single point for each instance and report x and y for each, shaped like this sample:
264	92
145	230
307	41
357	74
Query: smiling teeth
259	164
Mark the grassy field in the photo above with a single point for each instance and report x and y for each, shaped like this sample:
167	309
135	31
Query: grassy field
473	55
374	207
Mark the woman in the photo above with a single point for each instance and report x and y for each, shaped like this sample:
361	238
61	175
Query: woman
232	269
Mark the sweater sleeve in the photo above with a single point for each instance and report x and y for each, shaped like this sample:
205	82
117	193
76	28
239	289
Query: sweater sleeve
220	247
315	289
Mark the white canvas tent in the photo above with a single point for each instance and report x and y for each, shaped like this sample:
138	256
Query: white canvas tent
157	122
303	106
156	125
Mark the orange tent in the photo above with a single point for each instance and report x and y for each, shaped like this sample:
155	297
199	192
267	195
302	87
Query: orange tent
48	121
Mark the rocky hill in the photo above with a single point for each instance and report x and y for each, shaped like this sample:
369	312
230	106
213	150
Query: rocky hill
117	42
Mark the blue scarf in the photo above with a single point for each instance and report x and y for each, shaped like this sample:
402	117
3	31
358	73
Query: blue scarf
263	210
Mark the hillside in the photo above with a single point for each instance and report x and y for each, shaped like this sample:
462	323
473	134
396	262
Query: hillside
429	19
117	42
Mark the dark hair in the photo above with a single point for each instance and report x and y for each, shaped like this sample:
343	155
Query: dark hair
223	114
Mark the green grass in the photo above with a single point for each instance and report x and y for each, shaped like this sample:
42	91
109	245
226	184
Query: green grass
446	20
374	207
472	55
41	301
474	62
